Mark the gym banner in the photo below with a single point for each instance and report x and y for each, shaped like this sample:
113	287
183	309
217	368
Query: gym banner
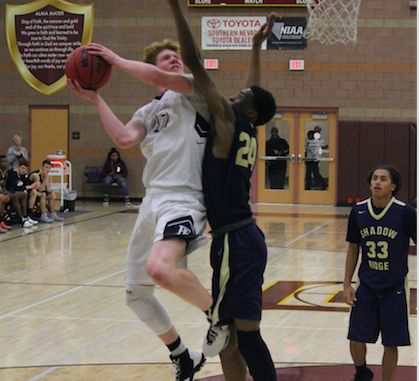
230	33
288	34
41	35
247	3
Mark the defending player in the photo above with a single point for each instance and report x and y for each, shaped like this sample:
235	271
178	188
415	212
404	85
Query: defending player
171	131
382	226
238	251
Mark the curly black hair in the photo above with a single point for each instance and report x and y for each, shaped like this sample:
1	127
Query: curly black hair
264	104
395	176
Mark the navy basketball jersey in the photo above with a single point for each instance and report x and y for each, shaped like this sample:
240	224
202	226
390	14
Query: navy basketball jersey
2	180
16	182
39	173
226	182
384	238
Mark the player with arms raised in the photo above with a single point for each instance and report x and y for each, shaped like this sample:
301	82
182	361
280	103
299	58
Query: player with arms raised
171	131
238	251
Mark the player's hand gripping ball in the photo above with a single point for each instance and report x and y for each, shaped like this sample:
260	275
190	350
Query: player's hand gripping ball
92	72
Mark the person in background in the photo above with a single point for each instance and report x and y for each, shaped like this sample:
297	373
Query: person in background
314	152
20	187
115	171
4	197
44	193
277	169
16	152
381	227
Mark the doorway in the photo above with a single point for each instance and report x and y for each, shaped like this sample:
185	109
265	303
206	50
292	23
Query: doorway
48	133
297	159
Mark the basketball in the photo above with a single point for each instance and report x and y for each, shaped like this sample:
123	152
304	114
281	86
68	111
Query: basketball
92	72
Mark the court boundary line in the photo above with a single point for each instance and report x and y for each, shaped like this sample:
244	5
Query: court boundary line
306	234
209	361
61	284
59	295
88	349
52	227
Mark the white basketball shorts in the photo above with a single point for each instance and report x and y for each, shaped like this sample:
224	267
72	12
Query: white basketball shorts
164	215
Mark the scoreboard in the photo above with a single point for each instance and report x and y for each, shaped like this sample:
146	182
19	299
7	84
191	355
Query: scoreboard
247	3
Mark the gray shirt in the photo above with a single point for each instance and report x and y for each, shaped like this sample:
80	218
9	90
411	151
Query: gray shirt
13	159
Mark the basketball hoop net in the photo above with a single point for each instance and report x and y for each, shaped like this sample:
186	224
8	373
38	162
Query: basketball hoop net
332	21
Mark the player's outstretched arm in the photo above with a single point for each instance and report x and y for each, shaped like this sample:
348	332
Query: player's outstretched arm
124	136
254	73
145	72
191	56
351	261
222	115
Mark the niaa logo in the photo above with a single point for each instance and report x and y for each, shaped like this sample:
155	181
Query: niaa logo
281	29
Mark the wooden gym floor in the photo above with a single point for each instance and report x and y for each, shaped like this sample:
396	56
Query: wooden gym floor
62	315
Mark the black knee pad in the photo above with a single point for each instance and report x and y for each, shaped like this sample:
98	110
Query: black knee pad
257	356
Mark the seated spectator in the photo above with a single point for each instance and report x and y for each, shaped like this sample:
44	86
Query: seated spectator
3	201
19	188
16	152
4	198
115	171
44	193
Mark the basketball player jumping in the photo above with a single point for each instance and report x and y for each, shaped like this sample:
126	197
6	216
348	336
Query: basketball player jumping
172	131
382	226
238	250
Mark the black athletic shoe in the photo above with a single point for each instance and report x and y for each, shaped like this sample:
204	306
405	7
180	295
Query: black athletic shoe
187	364
368	377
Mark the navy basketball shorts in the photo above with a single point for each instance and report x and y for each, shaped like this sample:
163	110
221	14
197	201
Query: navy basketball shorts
238	259
386	312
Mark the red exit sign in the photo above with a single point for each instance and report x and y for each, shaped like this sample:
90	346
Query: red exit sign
296	65
211	63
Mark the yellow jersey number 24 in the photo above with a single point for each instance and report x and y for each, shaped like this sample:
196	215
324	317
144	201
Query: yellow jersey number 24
246	155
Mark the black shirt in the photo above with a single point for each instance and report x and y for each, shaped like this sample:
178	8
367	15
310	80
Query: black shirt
277	146
16	182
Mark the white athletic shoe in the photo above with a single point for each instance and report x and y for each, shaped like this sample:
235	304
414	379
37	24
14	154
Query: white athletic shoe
55	217
216	340
25	224
45	219
187	364
33	222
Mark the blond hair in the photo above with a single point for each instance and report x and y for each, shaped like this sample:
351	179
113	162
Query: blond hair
152	50
16	137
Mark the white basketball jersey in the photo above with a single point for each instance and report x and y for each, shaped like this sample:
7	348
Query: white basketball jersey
175	140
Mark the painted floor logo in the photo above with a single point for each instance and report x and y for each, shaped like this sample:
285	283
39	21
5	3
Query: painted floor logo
312	296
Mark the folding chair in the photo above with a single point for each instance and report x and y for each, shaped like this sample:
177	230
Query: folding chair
94	179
